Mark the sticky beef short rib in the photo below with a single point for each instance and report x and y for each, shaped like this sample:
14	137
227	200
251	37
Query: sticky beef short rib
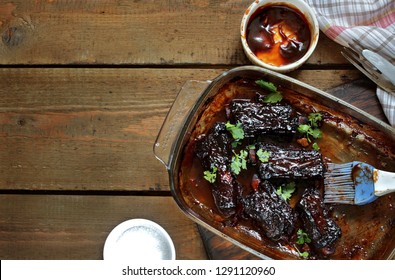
290	163
214	150
269	212
322	229
259	118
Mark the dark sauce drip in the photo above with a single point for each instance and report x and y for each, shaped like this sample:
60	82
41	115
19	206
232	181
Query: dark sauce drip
278	35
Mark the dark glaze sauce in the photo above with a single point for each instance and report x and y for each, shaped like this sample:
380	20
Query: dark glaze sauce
278	35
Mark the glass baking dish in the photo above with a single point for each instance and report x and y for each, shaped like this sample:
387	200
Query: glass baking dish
368	231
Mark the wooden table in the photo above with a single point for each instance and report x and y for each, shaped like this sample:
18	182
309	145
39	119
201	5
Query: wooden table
84	89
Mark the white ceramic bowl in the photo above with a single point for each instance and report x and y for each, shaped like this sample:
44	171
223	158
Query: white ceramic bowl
139	239
299	5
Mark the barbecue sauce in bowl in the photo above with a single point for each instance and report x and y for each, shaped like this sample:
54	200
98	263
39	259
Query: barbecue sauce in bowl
278	35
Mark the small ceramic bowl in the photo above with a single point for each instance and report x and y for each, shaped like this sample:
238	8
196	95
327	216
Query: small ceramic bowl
139	239
275	34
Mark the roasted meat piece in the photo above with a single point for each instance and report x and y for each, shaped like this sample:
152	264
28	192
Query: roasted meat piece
215	151
290	162
226	192
318	224
258	118
269	212
215	148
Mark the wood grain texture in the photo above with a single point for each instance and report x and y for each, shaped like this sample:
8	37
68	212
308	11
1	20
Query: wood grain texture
84	89
94	129
76	227
186	32
85	129
362	94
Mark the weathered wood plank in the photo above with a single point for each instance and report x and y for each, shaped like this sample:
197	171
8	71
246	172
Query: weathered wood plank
130	32
76	227
94	129
85	129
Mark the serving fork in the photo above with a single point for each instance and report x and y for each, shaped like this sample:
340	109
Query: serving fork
381	78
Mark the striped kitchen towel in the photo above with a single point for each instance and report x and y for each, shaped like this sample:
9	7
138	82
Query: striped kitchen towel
361	24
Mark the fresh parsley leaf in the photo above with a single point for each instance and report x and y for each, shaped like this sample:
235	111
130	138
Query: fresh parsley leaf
302	254
304	128
273	97
312	128
210	176
239	161
315	132
286	191
266	85
309	131
316	147
314	118
236	130
302	237
263	156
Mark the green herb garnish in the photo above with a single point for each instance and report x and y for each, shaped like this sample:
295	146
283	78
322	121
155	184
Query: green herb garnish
312	128
315	146
302	237
210	176
274	96
314	118
315	132
236	130
266	85
304	128
286	191
263	156
239	161
304	254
